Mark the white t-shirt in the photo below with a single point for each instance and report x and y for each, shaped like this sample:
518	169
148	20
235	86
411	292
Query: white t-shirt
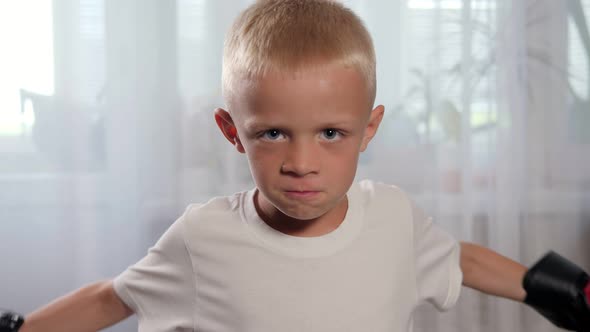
219	267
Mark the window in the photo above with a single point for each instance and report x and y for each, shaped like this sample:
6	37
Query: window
53	75
578	72
450	77
436	80
27	61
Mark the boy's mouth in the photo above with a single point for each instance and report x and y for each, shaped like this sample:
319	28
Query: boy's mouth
301	193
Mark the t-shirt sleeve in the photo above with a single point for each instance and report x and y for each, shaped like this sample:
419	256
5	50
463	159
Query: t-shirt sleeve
438	271
160	288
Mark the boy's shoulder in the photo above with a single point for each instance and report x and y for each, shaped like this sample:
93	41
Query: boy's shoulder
383	199
216	208
381	190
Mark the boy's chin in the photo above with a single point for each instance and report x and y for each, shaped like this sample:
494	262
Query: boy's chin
304	216
305	213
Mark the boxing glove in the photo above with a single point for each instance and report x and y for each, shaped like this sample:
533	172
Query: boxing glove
558	289
10	321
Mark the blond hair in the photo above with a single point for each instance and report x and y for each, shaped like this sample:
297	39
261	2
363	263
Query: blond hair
290	36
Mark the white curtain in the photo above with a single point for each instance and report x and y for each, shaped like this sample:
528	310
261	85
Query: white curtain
107	133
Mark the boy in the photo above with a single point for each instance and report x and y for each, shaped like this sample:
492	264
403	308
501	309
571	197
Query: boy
307	249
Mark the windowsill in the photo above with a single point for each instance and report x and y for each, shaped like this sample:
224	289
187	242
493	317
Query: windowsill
539	202
53	189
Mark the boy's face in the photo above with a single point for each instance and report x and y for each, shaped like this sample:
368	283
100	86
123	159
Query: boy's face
302	135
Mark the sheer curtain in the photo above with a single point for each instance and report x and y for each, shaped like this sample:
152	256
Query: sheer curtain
107	133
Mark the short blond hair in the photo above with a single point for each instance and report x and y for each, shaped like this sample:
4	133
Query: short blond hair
290	36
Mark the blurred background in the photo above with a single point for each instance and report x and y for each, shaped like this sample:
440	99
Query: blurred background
107	133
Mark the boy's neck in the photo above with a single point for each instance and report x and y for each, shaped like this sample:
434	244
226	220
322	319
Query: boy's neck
322	225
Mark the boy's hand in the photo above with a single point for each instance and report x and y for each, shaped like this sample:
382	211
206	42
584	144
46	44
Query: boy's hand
559	290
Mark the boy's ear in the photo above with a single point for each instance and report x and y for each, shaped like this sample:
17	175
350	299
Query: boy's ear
374	121
228	129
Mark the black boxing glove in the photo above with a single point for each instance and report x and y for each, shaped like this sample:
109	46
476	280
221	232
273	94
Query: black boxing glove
10	321
557	289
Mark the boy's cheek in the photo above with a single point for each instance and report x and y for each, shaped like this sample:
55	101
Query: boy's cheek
262	149
262	159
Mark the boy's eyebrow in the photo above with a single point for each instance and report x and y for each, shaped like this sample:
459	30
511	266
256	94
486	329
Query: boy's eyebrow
252	125
259	126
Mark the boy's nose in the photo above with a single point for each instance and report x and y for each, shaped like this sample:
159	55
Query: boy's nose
301	159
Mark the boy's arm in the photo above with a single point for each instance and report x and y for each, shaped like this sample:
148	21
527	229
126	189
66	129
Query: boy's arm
89	308
555	287
492	273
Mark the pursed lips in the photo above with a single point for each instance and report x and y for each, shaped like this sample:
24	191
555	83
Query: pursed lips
301	193
301	189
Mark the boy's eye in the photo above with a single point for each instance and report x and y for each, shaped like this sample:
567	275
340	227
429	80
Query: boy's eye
330	133
272	134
